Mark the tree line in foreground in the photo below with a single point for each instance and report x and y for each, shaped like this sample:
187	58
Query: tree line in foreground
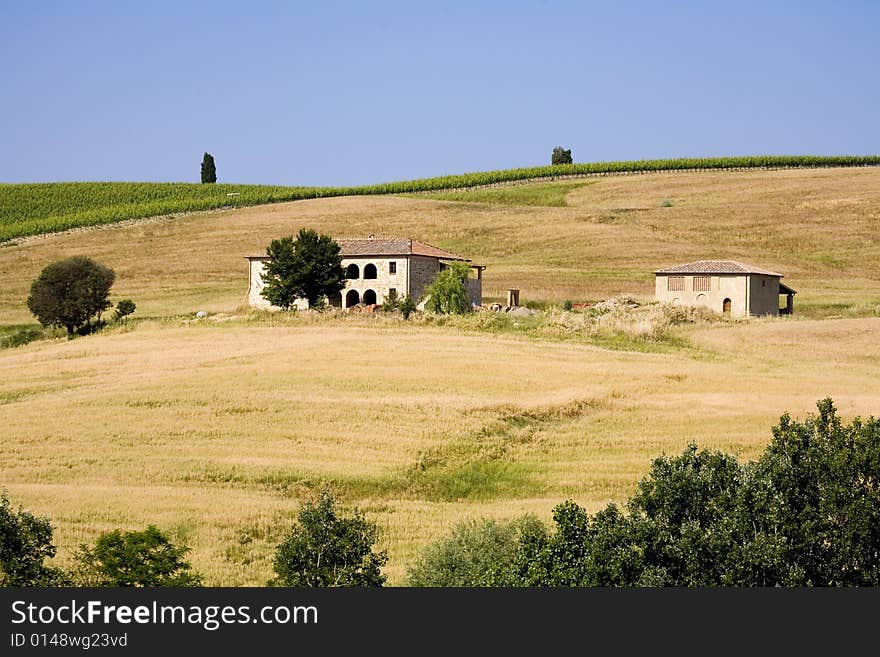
805	513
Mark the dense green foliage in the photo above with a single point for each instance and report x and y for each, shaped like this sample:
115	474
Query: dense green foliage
209	169
561	156
69	292
20	336
806	513
25	544
29	209
326	549
479	553
309	267
123	309
145	558
447	293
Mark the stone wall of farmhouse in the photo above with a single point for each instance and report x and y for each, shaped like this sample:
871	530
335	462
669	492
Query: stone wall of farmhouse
475	291
422	272
255	299
384	282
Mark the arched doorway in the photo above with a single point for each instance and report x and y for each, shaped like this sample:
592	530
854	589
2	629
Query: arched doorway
352	271
725	307
335	299
352	298
369	295
370	271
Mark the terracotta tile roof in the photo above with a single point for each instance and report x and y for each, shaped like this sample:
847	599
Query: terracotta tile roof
716	267
386	246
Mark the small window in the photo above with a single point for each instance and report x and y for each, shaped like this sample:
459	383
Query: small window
392	267
675	283
702	283
392	293
763	282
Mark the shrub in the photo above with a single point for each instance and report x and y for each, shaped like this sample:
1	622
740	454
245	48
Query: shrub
135	558
391	303
407	307
123	309
326	549
70	292
447	293
25	544
567	305
479	553
21	337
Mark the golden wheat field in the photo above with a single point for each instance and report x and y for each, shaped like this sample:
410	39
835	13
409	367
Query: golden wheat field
216	430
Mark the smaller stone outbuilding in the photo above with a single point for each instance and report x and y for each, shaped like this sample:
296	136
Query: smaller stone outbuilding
726	286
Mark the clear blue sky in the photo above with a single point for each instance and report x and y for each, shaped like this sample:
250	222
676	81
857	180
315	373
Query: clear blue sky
338	93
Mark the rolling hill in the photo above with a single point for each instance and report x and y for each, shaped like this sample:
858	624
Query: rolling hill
216	429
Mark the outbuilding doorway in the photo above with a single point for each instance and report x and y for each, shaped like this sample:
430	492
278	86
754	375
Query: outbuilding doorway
725	308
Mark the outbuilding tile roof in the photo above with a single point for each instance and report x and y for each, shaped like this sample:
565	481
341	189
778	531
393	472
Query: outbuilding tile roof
716	267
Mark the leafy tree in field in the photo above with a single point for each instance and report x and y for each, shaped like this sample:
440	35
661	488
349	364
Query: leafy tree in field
308	268
327	549
144	558
25	544
806	513
69	292
561	156
123	309
447	293
818	483
209	170
479	553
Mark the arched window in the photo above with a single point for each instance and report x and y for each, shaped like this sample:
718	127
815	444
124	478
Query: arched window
370	271
352	298
369	295
352	271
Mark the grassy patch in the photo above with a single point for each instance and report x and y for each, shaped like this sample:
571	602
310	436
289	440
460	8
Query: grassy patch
551	195
479	480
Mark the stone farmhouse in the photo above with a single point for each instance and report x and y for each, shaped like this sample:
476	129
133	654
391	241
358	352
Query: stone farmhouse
726	286
376	269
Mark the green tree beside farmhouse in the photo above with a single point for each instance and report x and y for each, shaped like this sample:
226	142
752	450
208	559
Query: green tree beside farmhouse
309	267
209	170
447	293
70	292
326	549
